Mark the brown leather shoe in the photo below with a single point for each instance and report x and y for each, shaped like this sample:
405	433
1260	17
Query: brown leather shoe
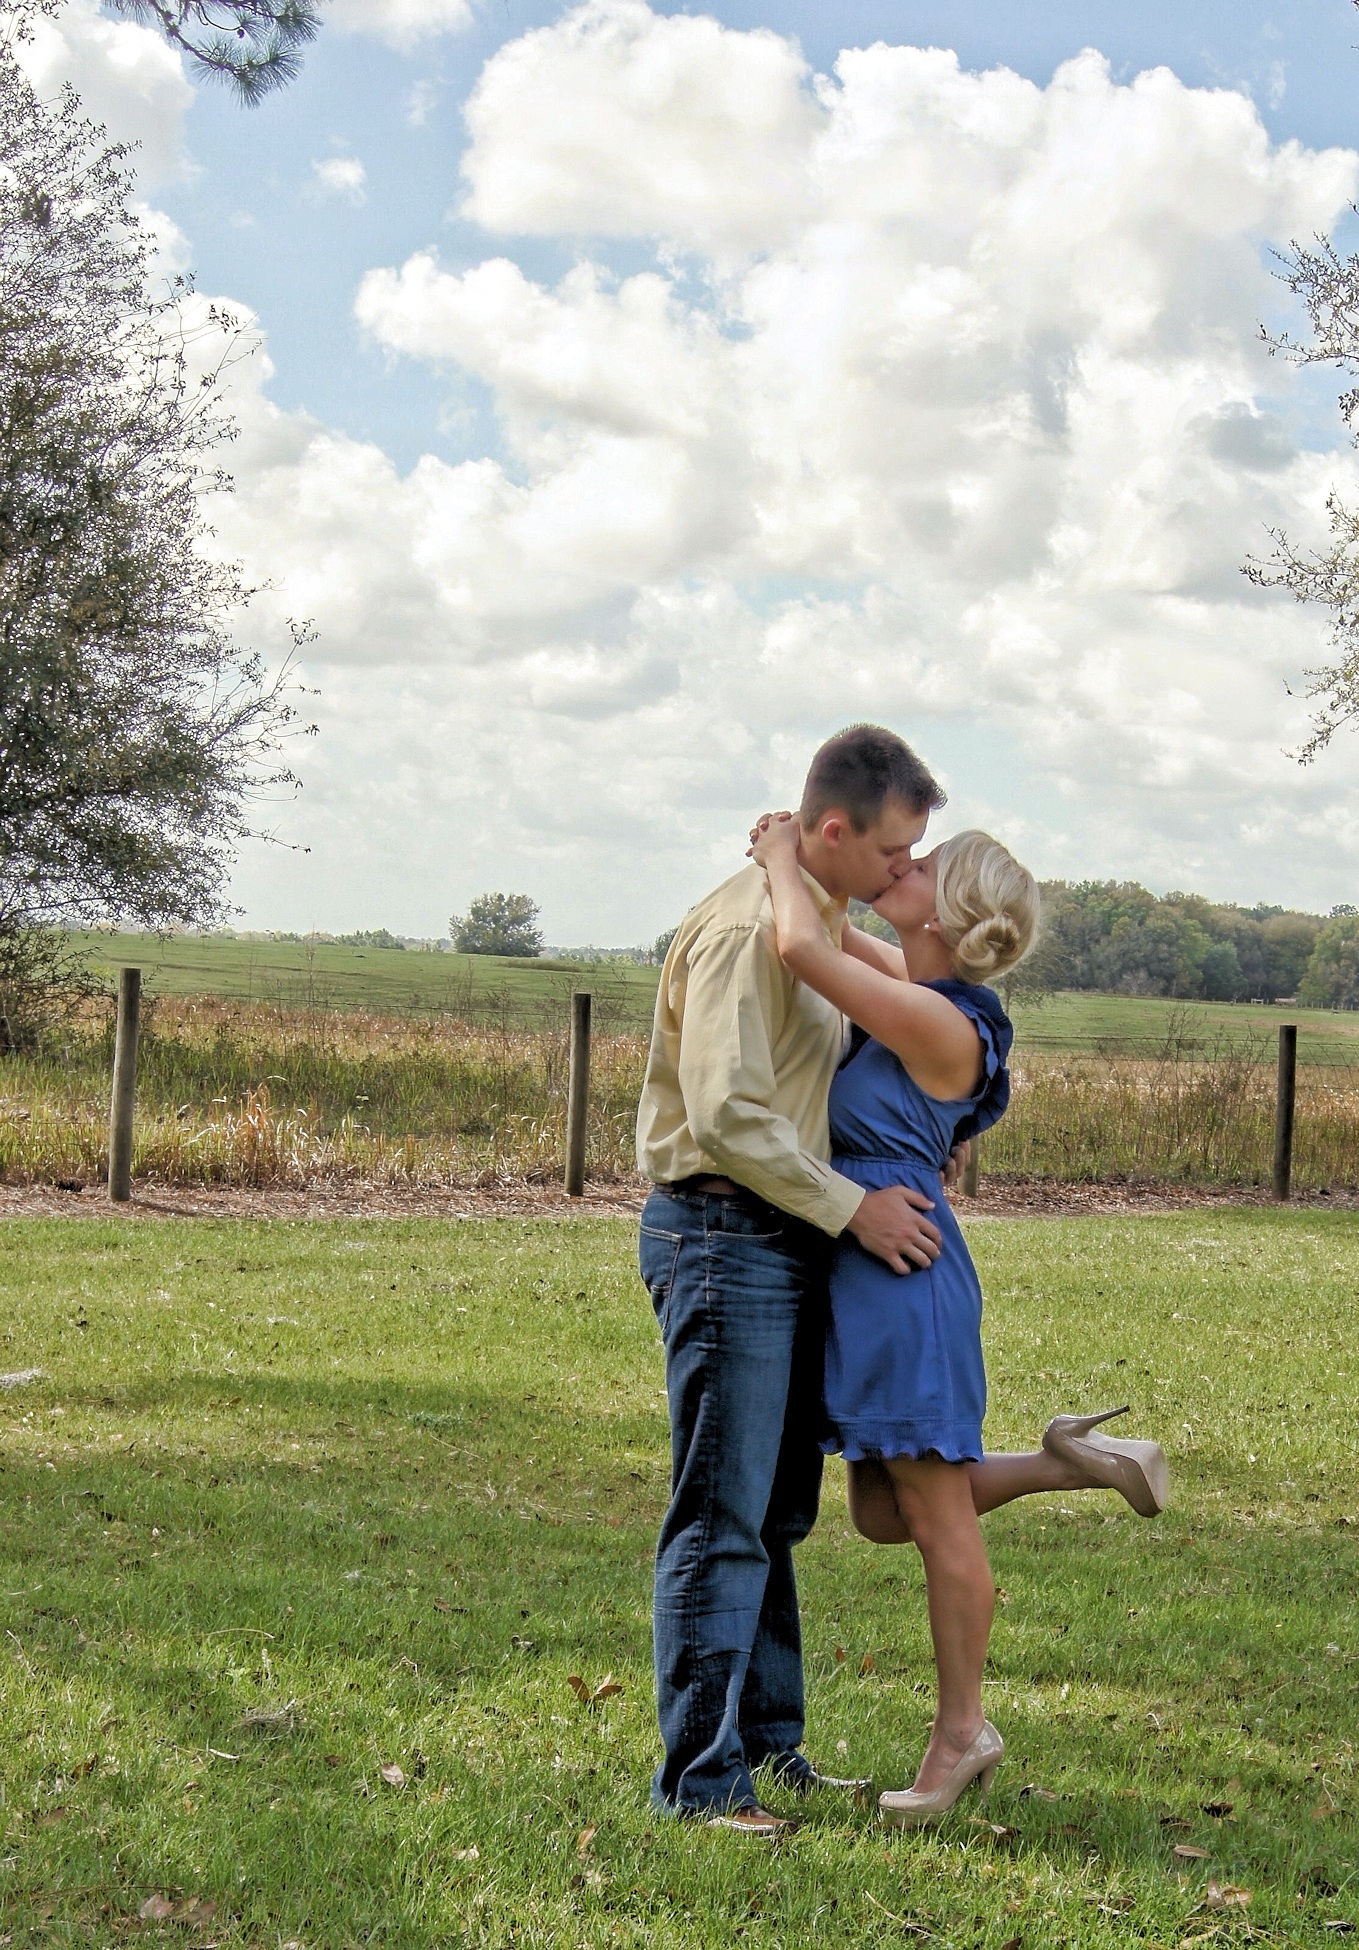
755	1821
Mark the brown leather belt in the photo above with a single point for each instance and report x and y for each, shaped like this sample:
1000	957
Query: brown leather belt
708	1182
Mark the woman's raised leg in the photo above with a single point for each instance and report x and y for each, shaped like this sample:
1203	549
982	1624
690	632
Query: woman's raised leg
1001	1478
876	1513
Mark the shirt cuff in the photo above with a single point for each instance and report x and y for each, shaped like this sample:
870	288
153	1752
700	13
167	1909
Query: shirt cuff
843	1199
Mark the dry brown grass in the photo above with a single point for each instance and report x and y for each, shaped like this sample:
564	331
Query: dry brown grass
1102	1119
257	1095
239	1094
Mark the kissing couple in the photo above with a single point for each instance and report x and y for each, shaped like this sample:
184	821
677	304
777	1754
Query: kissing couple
805	1090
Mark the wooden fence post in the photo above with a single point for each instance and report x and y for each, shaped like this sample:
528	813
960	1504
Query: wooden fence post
1283	1110
578	1095
124	1097
972	1169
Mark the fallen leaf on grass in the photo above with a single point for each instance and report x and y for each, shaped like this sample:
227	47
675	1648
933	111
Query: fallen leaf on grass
1219	1810
51	1815
592	1695
867	1664
1012	1943
1188	1853
1341	1925
1038	1793
584	1839
159	1909
472	1854
393	1775
85	1768
334	1760
1222	1895
839	1655
441	1604
998	1828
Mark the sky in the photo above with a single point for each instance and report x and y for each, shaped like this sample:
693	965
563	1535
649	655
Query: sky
635	395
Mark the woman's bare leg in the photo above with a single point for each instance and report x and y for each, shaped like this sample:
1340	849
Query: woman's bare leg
935	1500
876	1513
1001	1478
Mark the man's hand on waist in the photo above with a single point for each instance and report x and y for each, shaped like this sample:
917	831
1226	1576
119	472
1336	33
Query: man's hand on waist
892	1224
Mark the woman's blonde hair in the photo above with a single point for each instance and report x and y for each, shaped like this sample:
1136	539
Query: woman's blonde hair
988	905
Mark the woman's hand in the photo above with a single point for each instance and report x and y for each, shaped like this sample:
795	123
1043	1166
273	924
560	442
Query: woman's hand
773	834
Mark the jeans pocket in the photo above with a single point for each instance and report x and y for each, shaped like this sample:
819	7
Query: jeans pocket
658	1256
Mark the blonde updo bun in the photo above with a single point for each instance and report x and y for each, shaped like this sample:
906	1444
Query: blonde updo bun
988	905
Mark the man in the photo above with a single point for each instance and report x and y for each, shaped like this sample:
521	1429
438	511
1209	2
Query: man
732	1131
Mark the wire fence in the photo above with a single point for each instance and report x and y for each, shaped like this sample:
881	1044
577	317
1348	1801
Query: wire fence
1182	1108
249	1094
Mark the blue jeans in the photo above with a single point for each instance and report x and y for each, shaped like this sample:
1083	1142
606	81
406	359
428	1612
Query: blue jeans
739	1289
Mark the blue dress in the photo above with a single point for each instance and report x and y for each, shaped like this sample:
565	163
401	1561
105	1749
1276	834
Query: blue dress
904	1372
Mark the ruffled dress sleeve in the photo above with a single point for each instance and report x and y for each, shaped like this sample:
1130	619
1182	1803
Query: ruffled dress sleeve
997	1034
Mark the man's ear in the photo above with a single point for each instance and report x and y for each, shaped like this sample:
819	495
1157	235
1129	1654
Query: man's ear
831	830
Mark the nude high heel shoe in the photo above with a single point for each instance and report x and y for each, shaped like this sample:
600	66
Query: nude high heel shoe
909	1809
1137	1470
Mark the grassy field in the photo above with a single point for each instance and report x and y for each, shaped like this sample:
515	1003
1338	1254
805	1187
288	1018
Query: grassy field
320	975
389	981
295	1507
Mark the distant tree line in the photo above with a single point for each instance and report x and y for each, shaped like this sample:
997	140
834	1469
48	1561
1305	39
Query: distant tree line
1119	938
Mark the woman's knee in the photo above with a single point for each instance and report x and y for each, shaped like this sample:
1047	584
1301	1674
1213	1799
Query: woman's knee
881	1526
935	1501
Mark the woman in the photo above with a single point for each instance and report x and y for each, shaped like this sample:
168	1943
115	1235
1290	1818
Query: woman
905	1383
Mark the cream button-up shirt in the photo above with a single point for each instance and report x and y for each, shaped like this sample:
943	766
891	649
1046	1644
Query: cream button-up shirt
741	1061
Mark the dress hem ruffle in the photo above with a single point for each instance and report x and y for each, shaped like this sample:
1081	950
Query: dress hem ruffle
885	1444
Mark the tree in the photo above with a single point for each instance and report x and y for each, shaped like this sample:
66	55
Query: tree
1331	980
1328	285
253	45
498	924
133	730
1105	934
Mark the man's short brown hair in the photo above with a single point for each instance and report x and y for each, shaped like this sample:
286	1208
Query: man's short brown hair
859	770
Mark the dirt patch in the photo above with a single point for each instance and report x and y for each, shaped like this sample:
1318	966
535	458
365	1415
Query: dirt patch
1043	1198
999	1198
152	1201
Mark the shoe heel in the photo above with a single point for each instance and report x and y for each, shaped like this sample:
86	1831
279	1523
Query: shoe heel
985	1778
1082	1424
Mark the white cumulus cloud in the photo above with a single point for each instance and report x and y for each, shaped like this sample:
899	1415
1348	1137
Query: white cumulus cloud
127	78
343	176
942	402
401	23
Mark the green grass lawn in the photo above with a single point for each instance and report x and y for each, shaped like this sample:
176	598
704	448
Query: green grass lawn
389	1485
325	976
1075	1020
